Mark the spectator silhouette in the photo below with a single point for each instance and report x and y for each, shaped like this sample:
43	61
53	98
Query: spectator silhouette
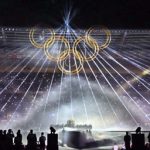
18	141
138	130
127	140
52	130
1	139
5	139
9	139
32	141
42	140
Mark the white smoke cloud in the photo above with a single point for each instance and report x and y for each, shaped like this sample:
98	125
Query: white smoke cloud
74	96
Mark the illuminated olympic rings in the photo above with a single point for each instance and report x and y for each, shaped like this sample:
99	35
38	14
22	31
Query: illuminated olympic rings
49	43
37	44
75	68
108	37
64	58
92	43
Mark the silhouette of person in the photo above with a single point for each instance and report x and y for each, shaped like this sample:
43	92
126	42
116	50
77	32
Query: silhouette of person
18	141
42	140
5	139
32	141
1	139
52	130
138	130
10	136
127	140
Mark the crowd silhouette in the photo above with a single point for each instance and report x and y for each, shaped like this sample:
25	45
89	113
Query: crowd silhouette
136	141
8	141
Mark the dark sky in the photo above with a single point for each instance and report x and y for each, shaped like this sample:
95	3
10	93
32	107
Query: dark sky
112	13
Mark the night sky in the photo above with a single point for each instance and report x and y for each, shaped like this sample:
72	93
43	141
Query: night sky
112	13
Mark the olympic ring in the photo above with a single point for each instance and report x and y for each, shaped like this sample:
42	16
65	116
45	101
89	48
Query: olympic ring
40	45
78	56
60	56
92	43
108	37
75	70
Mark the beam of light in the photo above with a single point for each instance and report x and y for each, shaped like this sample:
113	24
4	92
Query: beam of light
50	87
19	72
45	101
95	100
133	80
14	68
60	91
48	94
35	96
102	89
128	81
81	88
19	104
115	91
2	108
132	62
100	86
11	52
136	62
139	47
72	115
69	14
130	72
137	55
118	82
99	111
83	98
59	99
